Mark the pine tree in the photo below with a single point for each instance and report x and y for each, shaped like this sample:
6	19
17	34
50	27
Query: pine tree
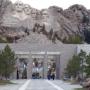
87	69
73	66
8	61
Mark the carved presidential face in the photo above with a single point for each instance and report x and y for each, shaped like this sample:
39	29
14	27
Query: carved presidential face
19	6
45	13
27	9
33	13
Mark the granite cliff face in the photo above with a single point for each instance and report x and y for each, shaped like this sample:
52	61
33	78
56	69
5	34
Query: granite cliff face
54	23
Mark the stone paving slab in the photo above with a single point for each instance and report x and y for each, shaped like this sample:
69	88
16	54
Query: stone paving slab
66	85
39	85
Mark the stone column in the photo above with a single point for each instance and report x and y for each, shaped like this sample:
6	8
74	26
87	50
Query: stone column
14	74
57	66
45	67
29	67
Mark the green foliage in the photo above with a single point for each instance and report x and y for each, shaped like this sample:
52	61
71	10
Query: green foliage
85	59
1	64
87	34
3	40
85	19
73	66
7	62
73	40
80	89
82	56
79	63
87	70
4	82
76	64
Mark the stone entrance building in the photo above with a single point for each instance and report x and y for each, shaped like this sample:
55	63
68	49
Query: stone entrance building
36	60
43	60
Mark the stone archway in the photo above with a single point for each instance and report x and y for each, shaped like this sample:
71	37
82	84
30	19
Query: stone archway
22	68
37	69
43	59
48	62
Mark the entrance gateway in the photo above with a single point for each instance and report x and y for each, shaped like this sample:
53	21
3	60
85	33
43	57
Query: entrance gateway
37	65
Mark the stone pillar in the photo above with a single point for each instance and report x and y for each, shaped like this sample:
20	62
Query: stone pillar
14	74
29	67
57	66
45	67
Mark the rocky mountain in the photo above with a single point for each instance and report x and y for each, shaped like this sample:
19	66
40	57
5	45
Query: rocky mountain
20	21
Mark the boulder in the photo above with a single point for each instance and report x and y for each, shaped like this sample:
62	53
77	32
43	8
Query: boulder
86	84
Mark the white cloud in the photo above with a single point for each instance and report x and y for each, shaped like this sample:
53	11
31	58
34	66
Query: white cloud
39	4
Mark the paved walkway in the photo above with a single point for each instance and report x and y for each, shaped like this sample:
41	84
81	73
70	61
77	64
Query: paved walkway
39	85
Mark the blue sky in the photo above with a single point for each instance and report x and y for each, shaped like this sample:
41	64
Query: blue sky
40	4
